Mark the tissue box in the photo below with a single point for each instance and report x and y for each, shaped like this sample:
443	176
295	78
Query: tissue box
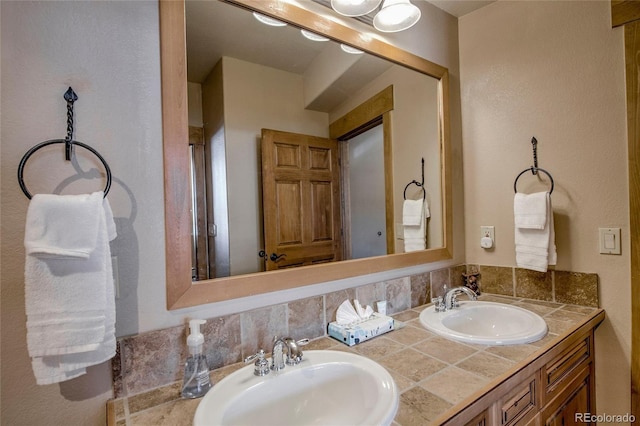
360	331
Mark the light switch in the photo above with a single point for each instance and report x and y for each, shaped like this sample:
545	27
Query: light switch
609	240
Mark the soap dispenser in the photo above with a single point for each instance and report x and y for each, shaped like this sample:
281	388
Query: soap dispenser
196	371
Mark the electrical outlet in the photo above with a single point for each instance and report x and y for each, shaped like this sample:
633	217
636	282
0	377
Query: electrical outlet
487	237
488	231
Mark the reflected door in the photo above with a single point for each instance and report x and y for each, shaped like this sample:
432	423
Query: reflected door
367	194
301	199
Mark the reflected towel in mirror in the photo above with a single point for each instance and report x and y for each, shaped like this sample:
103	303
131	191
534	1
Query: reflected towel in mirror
415	214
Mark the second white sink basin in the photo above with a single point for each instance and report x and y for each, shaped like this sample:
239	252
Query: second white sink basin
326	388
485	323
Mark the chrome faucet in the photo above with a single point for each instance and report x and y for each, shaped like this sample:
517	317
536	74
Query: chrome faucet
450	297
291	346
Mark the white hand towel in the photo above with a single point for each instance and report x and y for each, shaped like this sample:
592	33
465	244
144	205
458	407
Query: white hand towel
535	248
56	368
412	212
62	226
69	291
415	235
530	210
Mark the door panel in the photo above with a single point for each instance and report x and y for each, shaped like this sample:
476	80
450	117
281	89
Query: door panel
289	195
321	217
301	199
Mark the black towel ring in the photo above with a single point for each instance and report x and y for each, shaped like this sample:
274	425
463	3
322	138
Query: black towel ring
56	141
533	170
69	96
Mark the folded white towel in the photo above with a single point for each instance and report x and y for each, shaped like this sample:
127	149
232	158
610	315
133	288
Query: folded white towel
412	212
69	292
530	210
536	248
415	235
47	232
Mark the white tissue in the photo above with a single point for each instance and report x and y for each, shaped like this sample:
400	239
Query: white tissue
368	311
359	309
348	314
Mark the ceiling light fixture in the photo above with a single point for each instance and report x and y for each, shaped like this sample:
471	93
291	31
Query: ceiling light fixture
396	15
355	7
268	20
351	50
313	36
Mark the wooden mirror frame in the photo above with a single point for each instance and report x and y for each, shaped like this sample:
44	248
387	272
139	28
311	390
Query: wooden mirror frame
181	291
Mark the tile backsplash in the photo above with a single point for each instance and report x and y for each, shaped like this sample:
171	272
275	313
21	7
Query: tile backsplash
152	359
575	288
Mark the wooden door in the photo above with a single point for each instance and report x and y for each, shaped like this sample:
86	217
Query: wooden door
301	199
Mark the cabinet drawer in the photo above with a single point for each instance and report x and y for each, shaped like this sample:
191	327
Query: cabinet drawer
518	406
557	371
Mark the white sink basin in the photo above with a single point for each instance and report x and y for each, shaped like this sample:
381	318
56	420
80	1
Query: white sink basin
485	323
326	388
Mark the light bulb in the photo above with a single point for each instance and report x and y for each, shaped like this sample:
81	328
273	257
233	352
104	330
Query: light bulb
396	15
313	36
355	7
268	20
351	50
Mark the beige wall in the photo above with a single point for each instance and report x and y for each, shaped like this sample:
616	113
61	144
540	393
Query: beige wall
553	70
109	52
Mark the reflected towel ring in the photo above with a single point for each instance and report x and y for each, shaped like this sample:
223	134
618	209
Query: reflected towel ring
424	192
533	170
28	154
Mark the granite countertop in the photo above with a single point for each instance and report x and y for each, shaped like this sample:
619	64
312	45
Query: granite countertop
433	374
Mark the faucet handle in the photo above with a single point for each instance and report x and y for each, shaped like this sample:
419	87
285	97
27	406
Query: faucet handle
261	364
294	354
439	303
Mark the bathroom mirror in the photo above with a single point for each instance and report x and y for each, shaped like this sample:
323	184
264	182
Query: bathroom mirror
181	292
244	76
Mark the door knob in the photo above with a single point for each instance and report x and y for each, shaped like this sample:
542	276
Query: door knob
275	257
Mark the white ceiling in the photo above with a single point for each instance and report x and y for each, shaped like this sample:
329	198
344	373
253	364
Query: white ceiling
460	8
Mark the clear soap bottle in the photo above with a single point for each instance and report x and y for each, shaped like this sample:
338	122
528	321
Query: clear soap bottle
196	371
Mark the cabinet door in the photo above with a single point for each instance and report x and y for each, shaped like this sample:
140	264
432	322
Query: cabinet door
571	407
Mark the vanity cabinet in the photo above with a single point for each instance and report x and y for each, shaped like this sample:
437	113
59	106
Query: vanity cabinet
550	390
